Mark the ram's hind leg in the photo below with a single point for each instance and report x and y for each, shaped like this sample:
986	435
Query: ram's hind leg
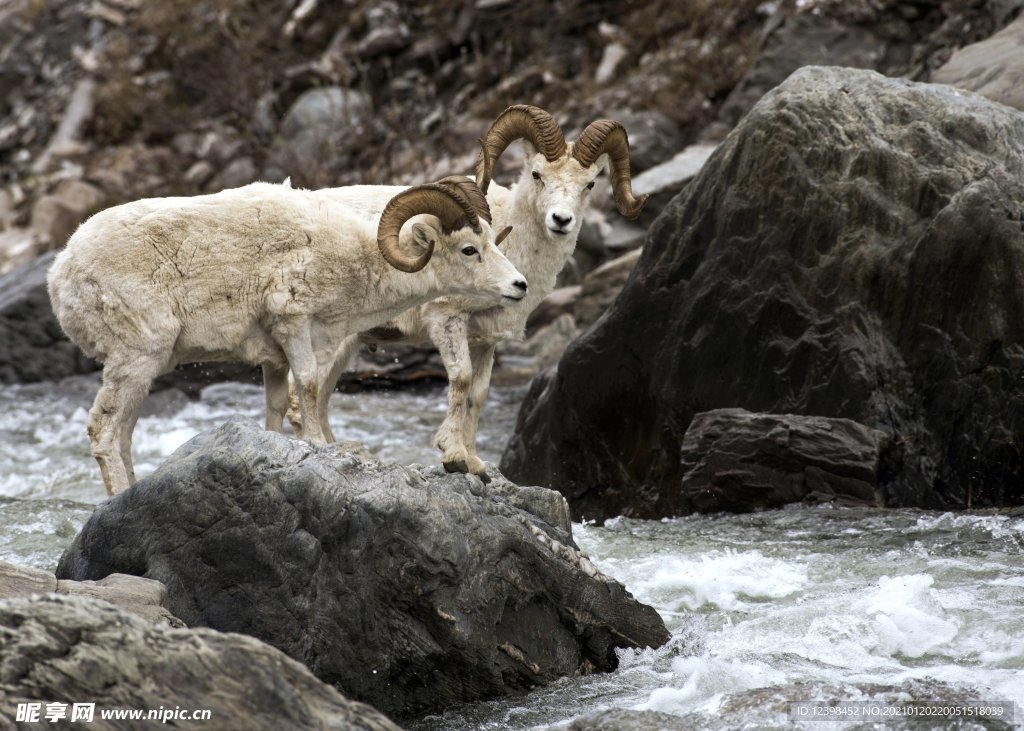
126	382
482	359
294	413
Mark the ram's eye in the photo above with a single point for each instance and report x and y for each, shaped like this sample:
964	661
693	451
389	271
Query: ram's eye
536	175
590	185
469	250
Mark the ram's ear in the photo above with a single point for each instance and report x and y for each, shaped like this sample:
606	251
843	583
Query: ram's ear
424	237
502	236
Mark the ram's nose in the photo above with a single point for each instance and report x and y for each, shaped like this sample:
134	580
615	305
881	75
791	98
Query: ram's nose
560	222
518	290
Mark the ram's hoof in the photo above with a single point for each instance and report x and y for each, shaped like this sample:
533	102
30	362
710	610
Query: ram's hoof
456	466
484	477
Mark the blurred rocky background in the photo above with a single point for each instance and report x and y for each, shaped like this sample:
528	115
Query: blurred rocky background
104	101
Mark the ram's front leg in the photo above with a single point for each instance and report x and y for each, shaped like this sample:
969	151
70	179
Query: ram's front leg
482	363
449	336
329	379
308	390
298	349
294	412
275	387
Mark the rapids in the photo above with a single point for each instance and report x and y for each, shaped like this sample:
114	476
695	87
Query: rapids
766	609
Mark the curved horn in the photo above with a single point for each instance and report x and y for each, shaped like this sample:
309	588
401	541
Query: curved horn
442	200
471	192
605	137
518	121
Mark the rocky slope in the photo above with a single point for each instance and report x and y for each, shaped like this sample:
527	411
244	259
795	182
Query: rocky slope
112	100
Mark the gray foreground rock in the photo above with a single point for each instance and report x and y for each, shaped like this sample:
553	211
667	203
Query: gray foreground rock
408	588
144	597
854	249
62	649
737	461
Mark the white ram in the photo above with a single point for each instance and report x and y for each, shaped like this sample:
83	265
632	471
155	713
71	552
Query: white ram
263	274
546	207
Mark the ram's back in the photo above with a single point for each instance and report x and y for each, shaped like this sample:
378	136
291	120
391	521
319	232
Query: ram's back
193	271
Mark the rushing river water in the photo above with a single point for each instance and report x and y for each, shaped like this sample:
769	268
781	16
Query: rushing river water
765	609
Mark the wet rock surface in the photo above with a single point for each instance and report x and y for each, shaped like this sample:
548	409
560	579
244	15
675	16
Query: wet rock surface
854	249
143	597
63	649
405	587
739	462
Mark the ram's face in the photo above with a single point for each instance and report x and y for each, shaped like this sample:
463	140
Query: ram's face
559	191
470	264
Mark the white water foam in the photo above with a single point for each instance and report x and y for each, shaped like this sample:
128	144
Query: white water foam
723	579
764	605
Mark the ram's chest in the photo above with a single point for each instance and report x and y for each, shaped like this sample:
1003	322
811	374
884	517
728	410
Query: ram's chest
540	259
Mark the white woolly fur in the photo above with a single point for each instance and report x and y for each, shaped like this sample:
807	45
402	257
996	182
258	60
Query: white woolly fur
264	274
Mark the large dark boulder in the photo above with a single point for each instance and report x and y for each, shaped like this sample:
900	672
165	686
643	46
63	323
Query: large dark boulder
408	588
32	345
854	249
58	649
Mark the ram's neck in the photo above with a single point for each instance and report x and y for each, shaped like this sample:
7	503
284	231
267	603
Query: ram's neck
388	292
